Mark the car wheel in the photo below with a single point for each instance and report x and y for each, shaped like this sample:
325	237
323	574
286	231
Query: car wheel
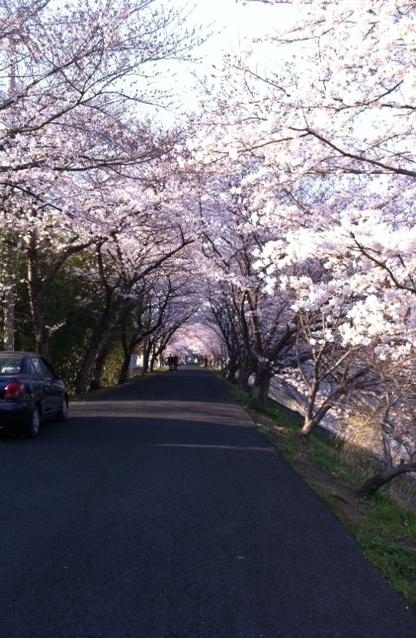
33	427
62	414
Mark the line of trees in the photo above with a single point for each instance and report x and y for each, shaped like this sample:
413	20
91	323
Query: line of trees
306	190
281	215
91	237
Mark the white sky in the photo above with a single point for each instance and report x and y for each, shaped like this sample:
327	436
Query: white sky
237	19
231	23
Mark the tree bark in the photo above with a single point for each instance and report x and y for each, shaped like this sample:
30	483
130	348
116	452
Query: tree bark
374	483
38	284
243	377
261	385
37	302
124	371
146	357
101	360
8	328
97	340
84	373
231	370
309	424
127	352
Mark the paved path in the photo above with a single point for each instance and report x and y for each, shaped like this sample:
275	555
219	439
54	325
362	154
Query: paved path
158	512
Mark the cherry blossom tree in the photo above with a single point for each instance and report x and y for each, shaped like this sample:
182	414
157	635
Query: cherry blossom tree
275	233
339	82
392	411
224	312
196	338
165	303
69	118
325	134
137	248
232	229
327	372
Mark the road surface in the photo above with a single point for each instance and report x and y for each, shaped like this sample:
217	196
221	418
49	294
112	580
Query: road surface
157	511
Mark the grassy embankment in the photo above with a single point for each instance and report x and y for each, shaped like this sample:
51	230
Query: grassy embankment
385	529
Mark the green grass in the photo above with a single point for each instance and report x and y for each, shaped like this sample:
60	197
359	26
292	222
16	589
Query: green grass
383	533
385	529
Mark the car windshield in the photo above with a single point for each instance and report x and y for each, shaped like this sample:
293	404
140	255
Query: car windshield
10	365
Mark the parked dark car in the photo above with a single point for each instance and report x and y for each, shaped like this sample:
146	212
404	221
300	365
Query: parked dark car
30	392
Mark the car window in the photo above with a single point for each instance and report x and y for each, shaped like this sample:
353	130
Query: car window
47	367
38	368
31	368
10	365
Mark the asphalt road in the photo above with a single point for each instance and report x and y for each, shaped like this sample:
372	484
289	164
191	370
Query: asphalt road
157	511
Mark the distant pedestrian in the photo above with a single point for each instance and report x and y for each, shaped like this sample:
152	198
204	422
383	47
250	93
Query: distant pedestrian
205	362
170	363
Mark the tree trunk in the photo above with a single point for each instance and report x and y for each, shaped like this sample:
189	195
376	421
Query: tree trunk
153	357
261	386
8	329
41	272
37	300
309	424
41	338
374	483
37	314
128	343
146	357
96	343
145	362
84	373
124	371
101	360
8	325
311	419
243	377
231	370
